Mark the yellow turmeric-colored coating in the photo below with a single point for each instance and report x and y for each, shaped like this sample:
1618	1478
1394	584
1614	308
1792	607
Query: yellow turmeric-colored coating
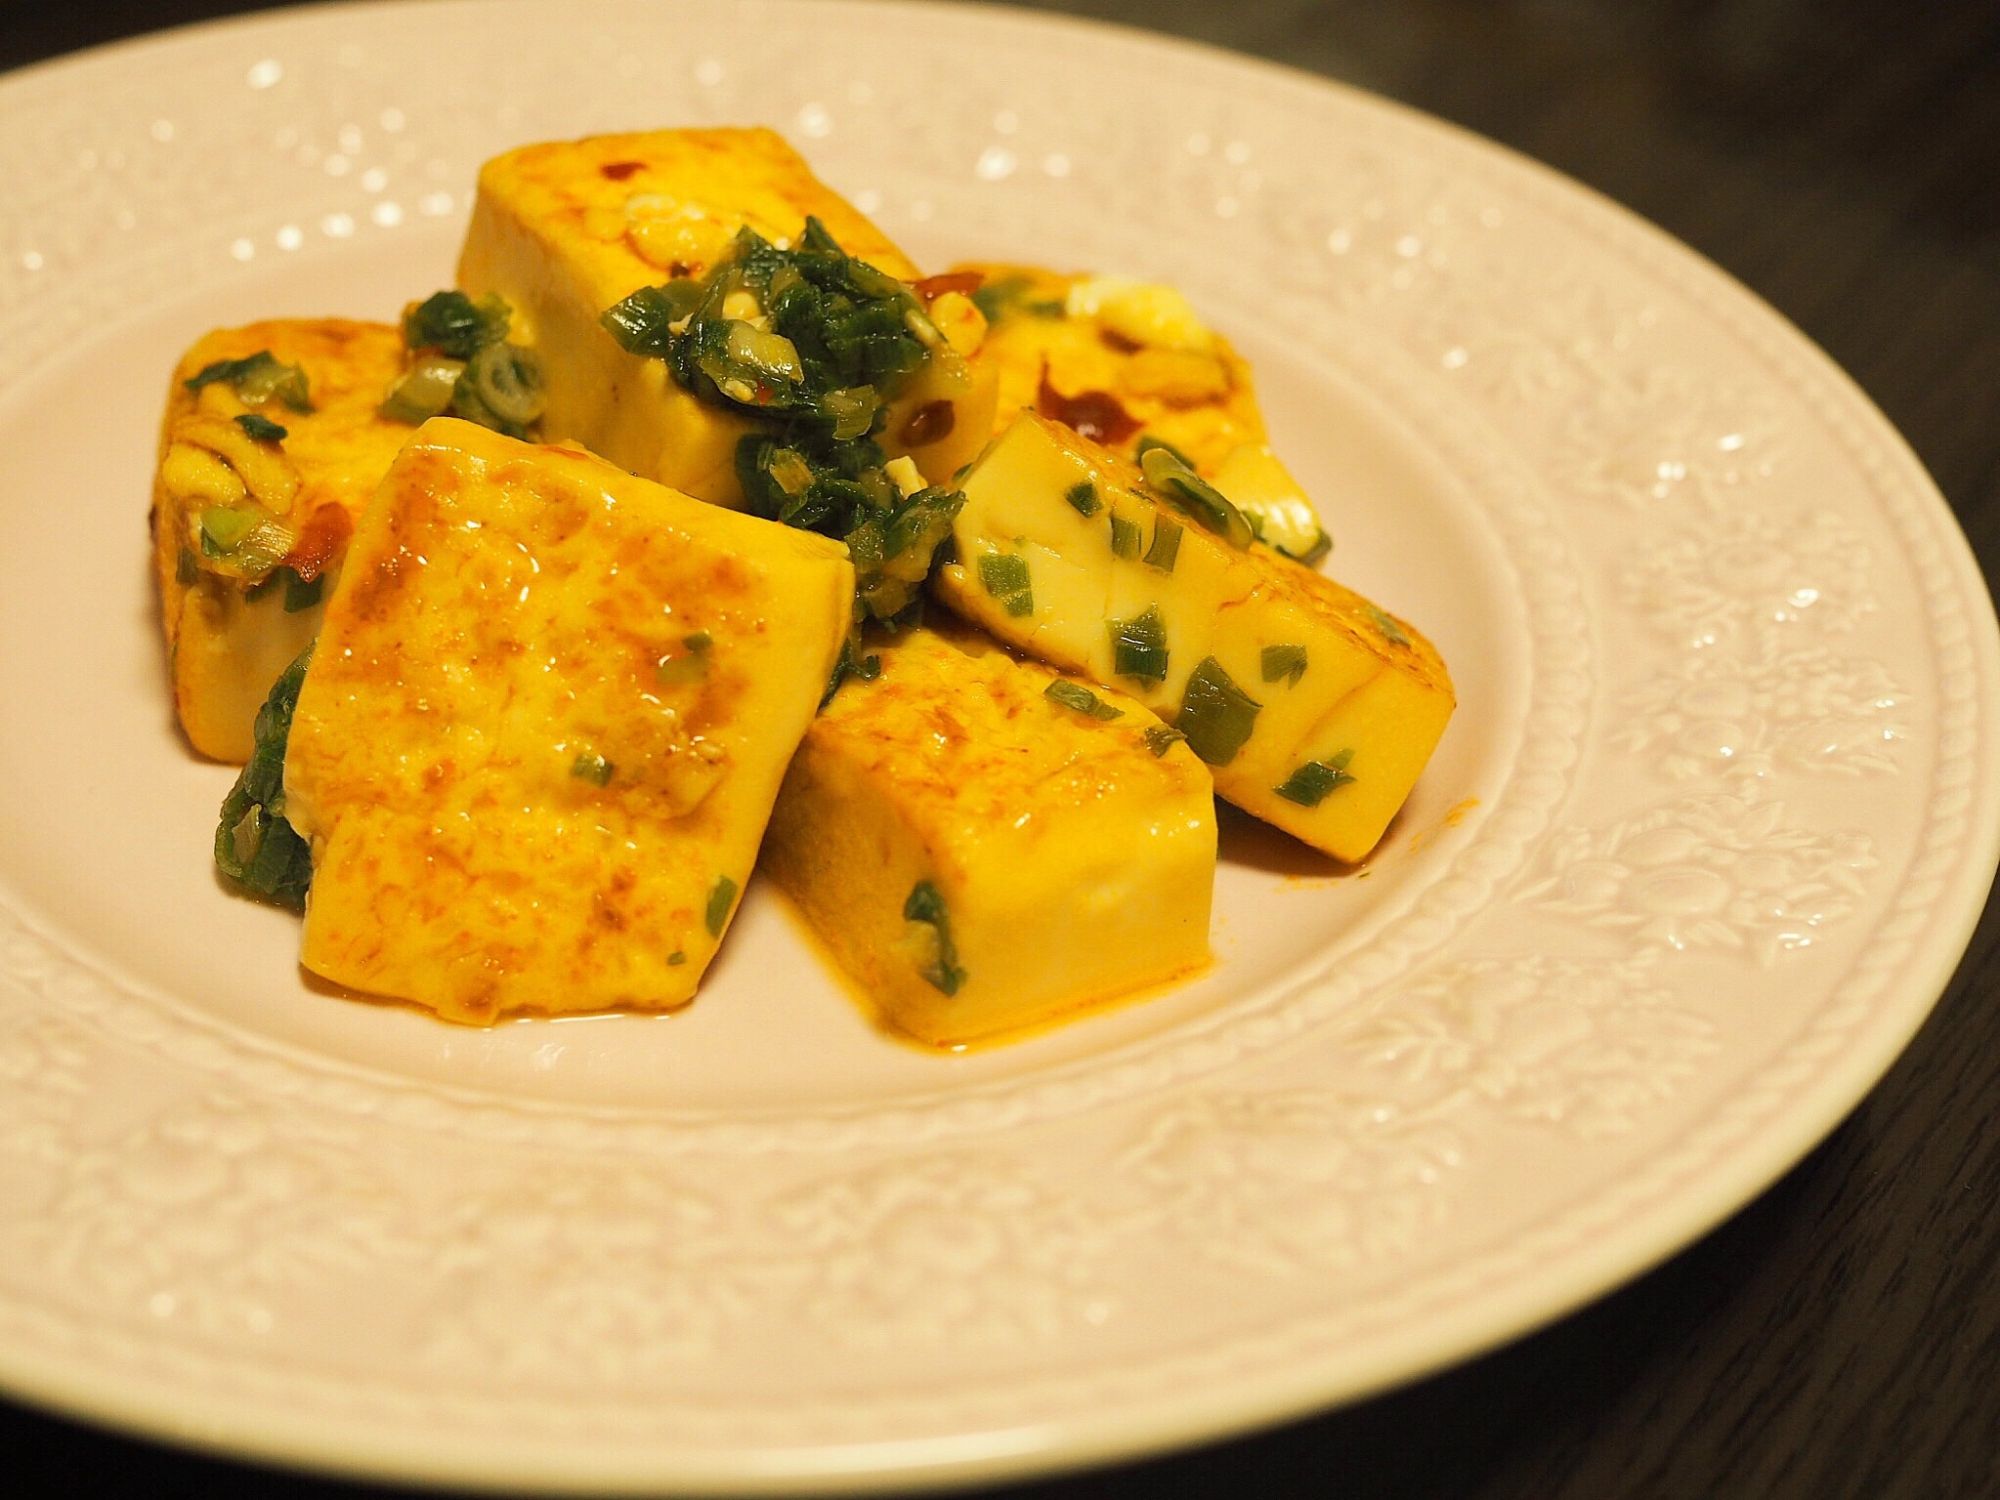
1073	859
565	229
1179	382
1370	698
543	727
225	649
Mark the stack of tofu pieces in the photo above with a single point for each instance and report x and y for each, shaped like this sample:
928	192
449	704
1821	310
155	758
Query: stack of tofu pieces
566	695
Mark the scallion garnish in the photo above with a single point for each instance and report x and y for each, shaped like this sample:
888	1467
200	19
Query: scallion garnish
223	529
254	845
302	593
257	378
1391	631
1124	537
941	970
1075	695
1166	544
1083	496
1139	646
591	767
261	429
453	324
1287	662
835	343
720	900
692	665
1160	739
676	958
1309	784
1005	577
508	379
1216	715
425	390
1173	478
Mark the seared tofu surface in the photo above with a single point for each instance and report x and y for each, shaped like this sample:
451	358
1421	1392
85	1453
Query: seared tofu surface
566	229
543	728
1124	362
983	857
1315	710
227	638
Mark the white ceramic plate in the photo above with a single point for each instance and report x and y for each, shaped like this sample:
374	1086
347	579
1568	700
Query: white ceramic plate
1697	855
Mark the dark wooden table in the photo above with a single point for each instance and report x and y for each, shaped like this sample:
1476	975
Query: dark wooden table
1841	1335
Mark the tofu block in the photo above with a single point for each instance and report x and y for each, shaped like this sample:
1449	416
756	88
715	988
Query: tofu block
566	229
982	858
1315	710
228	639
543	728
1120	361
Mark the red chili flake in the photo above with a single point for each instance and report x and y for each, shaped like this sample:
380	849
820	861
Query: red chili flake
1093	414
321	537
928	424
933	287
618	171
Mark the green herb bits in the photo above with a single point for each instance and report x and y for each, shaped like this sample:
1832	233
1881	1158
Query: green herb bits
1139	647
1311	783
1216	715
1075	695
940	968
1005	576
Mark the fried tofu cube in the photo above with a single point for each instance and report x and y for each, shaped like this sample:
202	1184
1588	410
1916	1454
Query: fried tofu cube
1121	361
543	728
231	630
1315	710
565	230
986	845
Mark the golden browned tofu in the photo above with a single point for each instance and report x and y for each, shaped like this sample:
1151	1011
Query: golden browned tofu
248	530
1120	361
986	845
543	728
565	230
1315	710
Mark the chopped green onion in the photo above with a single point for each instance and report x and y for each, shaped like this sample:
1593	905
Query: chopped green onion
676	958
255	846
1284	661
425	391
256	378
643	322
692	667
1216	715
186	569
223	529
1124	537
1309	784
452	323
591	767
1005	577
927	906
508	378
719	901
1160	739
1166	545
1083	496
1139	646
302	593
1147	443
261	429
1175	480
1391	631
1075	695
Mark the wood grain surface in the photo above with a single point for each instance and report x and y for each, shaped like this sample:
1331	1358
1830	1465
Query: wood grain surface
1840	1337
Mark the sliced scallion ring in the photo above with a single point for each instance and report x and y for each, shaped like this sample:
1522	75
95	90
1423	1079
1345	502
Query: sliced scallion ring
425	390
508	378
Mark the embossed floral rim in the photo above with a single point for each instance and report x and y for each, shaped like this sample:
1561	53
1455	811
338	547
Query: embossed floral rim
1318	1193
